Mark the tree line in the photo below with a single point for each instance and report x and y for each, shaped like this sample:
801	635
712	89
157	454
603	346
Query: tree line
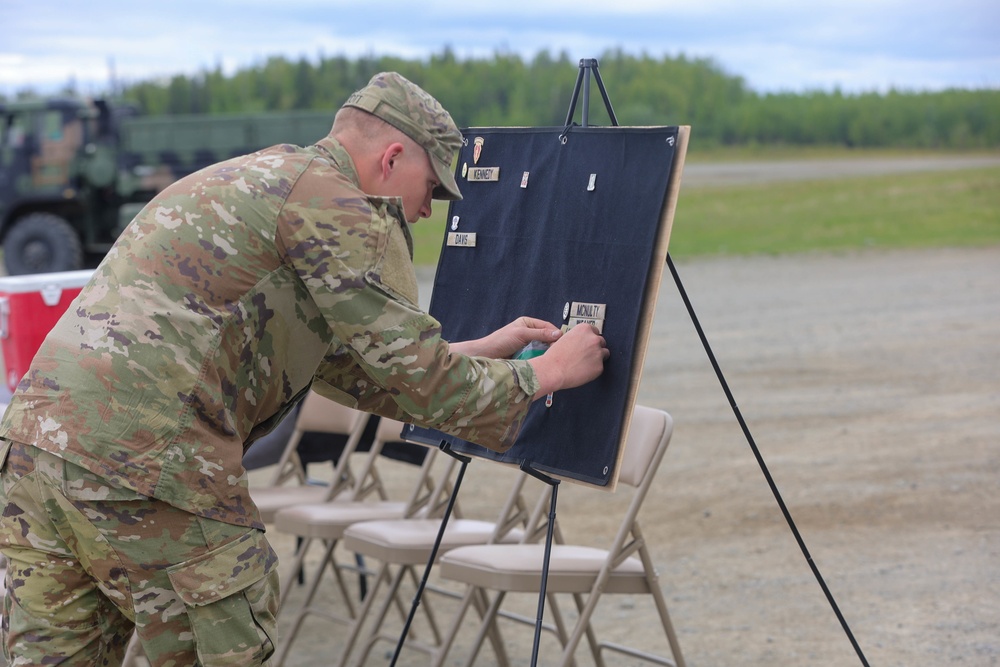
508	90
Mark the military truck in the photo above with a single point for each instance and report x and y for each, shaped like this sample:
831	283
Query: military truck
74	172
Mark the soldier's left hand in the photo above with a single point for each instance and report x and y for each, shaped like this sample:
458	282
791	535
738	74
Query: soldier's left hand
509	339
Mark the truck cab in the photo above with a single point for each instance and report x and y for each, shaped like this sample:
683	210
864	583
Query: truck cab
73	173
57	176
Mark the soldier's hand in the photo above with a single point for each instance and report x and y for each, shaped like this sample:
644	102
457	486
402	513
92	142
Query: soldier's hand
575	359
509	339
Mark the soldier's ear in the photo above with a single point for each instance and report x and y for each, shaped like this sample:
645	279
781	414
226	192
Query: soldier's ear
389	157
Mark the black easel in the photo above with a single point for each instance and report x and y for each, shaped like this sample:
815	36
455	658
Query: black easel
760	461
588	68
591	65
464	460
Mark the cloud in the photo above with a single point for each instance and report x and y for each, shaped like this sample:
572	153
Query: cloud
773	44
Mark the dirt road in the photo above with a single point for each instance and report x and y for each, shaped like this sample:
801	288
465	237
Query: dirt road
708	174
871	383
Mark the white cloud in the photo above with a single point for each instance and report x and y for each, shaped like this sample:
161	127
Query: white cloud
772	44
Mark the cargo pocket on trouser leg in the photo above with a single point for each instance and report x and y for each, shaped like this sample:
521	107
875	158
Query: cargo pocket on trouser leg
231	596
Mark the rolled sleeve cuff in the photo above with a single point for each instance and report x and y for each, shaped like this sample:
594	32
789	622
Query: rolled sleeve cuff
526	378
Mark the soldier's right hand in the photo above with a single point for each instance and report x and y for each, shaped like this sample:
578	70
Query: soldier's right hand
575	359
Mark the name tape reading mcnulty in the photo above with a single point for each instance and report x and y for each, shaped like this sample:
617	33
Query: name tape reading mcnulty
588	310
579	312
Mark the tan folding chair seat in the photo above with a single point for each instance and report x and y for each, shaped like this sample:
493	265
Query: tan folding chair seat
586	572
571	569
405	541
327	522
270	499
408	544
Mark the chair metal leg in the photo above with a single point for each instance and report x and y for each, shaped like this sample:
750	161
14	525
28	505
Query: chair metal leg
592	642
437	660
297	571
305	609
484	627
381	575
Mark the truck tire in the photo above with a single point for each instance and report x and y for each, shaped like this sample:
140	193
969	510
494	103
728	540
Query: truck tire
42	243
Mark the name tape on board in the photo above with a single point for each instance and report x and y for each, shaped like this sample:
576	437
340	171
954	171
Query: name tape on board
483	174
462	239
573	321
593	311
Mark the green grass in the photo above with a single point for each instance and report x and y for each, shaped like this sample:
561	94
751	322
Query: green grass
928	209
778	152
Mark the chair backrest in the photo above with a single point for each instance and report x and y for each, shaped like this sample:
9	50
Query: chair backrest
430	493
369	479
648	437
574	568
320	414
649	432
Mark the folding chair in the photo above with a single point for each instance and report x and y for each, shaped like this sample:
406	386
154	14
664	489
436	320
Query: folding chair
408	544
585	572
327	522
321	415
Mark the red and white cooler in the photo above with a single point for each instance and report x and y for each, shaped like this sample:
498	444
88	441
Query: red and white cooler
29	307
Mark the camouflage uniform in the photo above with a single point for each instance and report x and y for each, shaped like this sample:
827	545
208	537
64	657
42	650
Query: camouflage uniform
230	295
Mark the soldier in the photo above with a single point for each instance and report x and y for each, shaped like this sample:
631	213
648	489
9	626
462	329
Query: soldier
231	294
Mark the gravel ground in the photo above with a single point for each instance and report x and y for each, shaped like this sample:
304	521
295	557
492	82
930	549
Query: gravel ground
709	174
870	384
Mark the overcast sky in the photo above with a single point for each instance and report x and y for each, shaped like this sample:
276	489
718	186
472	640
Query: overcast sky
775	45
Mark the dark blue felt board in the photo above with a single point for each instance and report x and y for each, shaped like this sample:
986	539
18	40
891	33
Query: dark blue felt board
547	244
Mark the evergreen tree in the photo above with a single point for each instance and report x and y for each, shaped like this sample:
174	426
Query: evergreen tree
504	89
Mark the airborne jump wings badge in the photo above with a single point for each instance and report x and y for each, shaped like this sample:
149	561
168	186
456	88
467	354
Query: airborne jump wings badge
480	174
477	149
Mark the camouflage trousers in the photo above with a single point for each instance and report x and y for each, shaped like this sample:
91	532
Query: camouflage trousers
89	563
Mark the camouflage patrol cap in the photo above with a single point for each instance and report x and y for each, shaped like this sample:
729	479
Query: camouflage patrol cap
413	111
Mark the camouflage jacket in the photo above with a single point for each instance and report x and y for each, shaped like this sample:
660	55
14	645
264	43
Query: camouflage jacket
230	295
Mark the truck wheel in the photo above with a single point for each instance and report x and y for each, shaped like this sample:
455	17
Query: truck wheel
42	243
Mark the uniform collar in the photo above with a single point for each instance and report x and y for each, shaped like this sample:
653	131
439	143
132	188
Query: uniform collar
336	151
